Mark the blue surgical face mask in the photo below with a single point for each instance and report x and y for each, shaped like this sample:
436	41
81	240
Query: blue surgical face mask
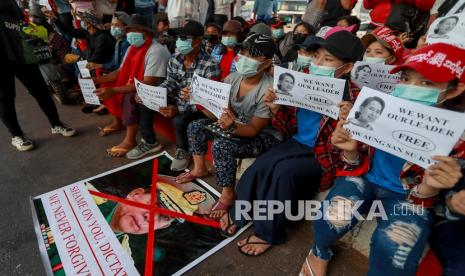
303	61
135	39
419	94
83	25
184	46
116	32
277	33
229	41
247	67
374	60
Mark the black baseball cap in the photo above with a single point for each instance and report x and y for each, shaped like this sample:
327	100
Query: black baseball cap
190	28
259	45
309	41
343	44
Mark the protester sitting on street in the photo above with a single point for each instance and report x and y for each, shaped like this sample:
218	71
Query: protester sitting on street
277	33
146	61
212	40
191	58
16	64
382	46
349	20
246	119
161	31
297	36
283	172
230	37
371	174
100	43
118	22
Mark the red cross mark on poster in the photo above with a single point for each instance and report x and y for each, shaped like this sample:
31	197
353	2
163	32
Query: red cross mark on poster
154	209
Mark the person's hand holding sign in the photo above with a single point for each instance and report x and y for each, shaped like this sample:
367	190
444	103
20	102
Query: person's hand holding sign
442	175
93	66
342	140
344	109
456	203
227	119
185	93
269	98
104	93
169	111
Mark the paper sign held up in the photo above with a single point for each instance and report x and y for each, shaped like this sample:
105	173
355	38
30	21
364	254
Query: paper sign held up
87	89
319	94
212	95
406	129
152	97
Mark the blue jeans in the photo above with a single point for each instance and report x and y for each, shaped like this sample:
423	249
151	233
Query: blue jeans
398	241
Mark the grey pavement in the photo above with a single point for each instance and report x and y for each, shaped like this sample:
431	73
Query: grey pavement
59	161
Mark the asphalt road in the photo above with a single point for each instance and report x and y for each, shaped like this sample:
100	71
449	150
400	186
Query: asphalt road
59	161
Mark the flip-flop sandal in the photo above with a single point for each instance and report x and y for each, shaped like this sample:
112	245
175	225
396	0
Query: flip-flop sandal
225	233
104	131
247	242
308	266
117	151
101	112
88	109
218	206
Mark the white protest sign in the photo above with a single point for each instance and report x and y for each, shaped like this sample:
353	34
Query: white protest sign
406	129
85	73
319	94
449	29
87	89
212	95
152	97
375	76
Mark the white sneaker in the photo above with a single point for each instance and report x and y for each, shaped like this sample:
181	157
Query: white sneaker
22	143
64	130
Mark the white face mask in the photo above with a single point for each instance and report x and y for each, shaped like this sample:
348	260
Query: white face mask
375	60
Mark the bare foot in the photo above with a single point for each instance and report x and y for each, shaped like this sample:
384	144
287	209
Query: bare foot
317	266
120	150
225	202
253	246
227	224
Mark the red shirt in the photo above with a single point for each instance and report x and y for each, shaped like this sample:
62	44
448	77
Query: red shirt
225	63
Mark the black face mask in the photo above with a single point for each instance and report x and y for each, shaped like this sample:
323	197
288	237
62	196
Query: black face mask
298	38
211	38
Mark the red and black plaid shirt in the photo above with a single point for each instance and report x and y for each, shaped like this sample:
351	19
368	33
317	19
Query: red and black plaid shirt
327	155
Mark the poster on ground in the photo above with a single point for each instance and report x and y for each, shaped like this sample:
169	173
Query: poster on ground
409	130
319	94
101	225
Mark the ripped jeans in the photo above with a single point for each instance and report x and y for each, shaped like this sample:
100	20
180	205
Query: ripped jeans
397	242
